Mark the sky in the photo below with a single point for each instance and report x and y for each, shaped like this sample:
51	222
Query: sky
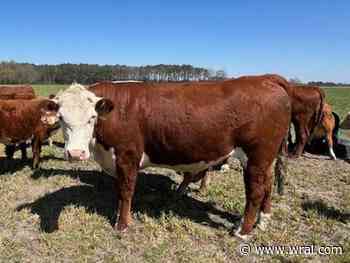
308	39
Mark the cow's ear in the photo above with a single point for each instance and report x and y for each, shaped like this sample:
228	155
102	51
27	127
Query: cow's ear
49	105
104	106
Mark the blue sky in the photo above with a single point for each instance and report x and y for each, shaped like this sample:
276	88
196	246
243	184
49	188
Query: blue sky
305	39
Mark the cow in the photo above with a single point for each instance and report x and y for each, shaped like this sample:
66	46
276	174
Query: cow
22	120
326	129
345	124
16	92
307	104
183	126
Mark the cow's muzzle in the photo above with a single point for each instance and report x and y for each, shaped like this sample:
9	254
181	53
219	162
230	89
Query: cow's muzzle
77	155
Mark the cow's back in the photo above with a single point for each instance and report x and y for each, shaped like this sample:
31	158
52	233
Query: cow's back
16	92
173	119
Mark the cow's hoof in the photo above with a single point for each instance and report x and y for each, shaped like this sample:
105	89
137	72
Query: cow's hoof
36	167
241	237
264	220
293	156
121	228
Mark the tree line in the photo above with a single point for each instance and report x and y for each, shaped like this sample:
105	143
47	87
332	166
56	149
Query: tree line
319	83
328	84
15	73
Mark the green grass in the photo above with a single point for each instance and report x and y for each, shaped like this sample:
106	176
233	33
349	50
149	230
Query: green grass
46	90
339	98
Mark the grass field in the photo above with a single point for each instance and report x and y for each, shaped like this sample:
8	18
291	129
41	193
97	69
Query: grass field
56	214
46	90
339	98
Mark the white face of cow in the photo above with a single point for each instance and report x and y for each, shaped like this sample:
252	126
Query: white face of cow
78	113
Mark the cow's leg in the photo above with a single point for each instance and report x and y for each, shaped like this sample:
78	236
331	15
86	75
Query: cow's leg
265	211
330	145
254	179
302	134
190	178
291	145
9	151
126	181
23	147
36	148
223	167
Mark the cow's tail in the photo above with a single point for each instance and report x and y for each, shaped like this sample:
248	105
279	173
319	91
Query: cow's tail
319	113
281	166
336	128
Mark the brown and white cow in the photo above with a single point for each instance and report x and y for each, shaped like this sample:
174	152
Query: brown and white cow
307	104
13	92
184	126
21	120
326	128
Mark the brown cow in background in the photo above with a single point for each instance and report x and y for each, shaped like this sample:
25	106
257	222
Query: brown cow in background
327	129
22	120
307	105
14	92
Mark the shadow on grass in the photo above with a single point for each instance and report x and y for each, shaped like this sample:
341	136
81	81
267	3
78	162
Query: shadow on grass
16	164
154	195
58	144
326	211
11	166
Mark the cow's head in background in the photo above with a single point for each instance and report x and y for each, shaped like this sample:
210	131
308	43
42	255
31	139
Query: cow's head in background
49	112
79	110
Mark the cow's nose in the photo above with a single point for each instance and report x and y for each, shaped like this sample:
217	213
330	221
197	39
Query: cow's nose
79	155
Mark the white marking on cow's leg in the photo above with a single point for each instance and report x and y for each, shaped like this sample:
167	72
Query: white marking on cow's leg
263	220
331	152
238	231
145	161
